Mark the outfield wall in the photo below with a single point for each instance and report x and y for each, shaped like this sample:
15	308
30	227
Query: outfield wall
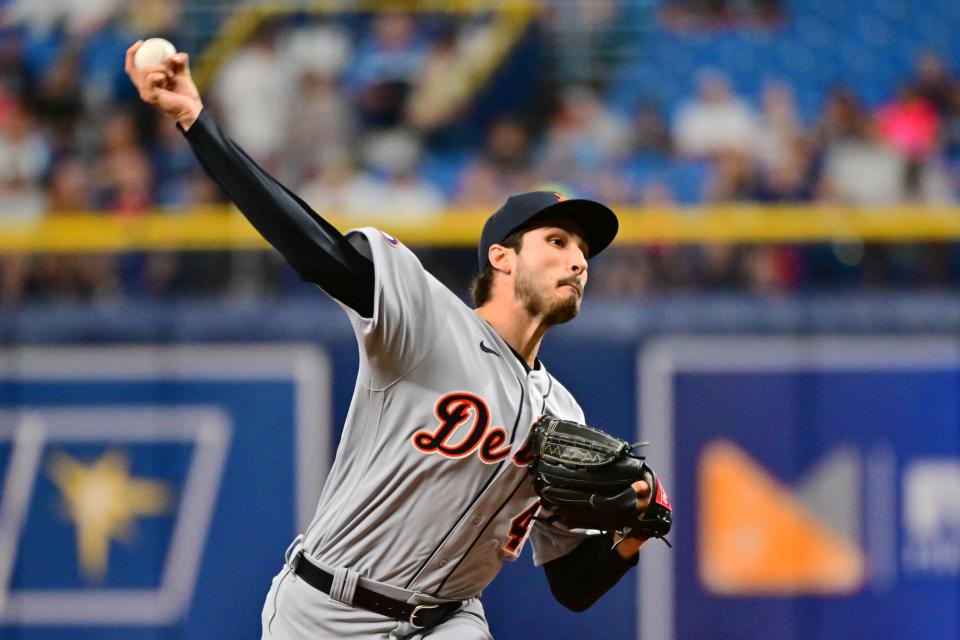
812	457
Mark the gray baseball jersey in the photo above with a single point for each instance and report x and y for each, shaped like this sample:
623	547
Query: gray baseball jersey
430	490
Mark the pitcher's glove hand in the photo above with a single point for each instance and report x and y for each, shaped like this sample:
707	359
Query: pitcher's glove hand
584	476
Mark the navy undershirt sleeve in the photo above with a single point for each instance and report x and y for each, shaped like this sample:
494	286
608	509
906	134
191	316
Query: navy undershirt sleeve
578	579
341	265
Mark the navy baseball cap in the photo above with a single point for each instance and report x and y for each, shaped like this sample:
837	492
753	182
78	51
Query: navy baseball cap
598	222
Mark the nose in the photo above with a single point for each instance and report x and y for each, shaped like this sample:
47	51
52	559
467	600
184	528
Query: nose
579	265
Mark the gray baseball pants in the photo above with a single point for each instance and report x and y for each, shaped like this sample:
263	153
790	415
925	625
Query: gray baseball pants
294	610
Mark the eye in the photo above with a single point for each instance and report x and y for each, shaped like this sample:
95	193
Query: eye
555	241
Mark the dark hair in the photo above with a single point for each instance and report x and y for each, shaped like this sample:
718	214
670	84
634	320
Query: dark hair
482	285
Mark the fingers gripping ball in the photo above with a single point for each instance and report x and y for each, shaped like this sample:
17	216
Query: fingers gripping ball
154	51
584	477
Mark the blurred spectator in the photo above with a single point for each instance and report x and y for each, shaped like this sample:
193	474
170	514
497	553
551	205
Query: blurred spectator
408	196
779	126
78	18
318	49
252	92
481	184
932	82
320	117
715	120
857	167
721	266
174	164
843	117
394	156
124	174
502	167
75	277
104	80
384	69
156	17
910	124
788	179
860	169
624	272
72	276
508	146
13	74
583	136
24	161
733	179
58	99
607	185
651	134
321	120
335	185
585	29
772	268
951	125
14	271
70	190
199	190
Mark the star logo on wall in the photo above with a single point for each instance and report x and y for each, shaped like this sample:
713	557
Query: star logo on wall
103	501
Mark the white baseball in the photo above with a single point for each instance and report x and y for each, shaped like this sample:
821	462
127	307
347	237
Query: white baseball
153	51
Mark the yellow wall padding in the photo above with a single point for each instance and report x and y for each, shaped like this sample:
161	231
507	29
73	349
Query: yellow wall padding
222	228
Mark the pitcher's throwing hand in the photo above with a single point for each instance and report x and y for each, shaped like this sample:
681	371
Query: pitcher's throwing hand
167	86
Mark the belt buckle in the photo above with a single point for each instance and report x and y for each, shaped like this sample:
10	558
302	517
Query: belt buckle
417	610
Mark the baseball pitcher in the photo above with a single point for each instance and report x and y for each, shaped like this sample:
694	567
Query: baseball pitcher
458	444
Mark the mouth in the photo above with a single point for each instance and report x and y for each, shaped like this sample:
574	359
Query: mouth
578	289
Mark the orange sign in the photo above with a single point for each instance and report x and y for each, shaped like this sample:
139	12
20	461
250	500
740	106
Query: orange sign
756	537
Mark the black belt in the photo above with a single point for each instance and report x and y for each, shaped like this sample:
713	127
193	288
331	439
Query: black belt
418	616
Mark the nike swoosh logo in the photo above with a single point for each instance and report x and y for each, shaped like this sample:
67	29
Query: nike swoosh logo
484	347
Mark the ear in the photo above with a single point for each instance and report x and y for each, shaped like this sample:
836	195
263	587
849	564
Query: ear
501	258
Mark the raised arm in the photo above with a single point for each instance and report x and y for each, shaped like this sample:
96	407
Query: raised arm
315	248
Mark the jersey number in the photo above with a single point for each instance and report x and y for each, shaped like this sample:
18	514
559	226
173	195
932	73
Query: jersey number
520	527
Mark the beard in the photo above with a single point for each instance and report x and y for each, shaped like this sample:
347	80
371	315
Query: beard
545	305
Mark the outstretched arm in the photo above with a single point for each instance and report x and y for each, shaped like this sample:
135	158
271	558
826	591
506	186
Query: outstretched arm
314	247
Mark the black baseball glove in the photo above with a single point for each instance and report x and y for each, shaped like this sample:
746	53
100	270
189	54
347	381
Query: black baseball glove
584	476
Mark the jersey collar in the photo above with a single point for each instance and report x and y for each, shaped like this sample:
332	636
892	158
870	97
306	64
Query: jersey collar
523	363
537	366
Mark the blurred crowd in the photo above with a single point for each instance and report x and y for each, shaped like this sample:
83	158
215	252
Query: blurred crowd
377	114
